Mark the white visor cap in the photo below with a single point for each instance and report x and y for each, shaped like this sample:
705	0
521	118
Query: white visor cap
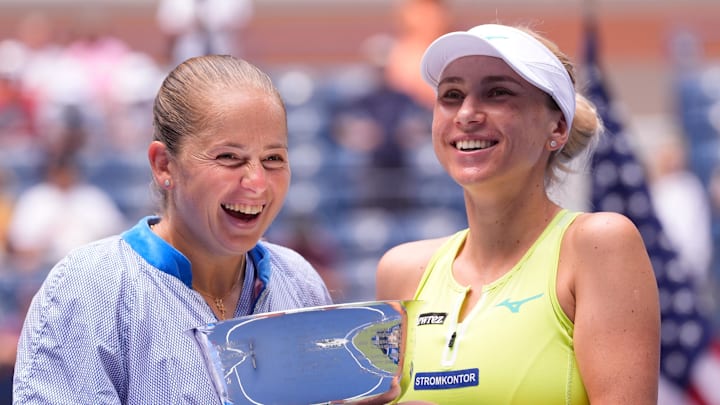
527	56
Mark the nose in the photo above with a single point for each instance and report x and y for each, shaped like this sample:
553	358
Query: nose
469	113
254	177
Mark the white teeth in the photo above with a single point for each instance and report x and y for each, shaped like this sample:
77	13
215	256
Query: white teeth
473	144
244	208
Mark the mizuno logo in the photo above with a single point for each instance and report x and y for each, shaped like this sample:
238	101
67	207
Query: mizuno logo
514	306
432	318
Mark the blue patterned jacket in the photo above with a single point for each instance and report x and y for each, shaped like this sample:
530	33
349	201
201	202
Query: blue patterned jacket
110	323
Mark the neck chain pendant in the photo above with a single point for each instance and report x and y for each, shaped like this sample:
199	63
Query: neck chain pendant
221	307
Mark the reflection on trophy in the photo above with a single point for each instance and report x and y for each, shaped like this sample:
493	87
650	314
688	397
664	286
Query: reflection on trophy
347	353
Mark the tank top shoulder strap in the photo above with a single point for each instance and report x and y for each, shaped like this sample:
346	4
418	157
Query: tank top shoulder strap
447	251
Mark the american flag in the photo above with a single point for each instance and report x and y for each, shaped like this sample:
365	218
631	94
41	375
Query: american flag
690	353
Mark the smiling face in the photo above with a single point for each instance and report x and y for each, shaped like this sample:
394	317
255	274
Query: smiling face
489	124
230	180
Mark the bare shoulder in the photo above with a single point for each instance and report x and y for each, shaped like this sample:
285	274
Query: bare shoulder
605	250
596	233
401	268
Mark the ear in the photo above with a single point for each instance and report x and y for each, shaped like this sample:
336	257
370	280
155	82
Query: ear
159	158
559	134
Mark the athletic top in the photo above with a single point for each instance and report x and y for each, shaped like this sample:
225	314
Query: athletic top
514	347
110	323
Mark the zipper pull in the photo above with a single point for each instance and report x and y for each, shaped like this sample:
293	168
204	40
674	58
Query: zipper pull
451	343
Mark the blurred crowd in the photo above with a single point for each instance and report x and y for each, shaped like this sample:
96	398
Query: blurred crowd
75	121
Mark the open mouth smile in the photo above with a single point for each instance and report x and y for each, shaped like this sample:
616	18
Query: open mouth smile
474	144
245	212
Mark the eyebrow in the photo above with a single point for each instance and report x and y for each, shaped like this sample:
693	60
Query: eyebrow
485	80
280	145
450	79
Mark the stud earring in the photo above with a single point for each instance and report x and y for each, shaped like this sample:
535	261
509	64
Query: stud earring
553	143
166	183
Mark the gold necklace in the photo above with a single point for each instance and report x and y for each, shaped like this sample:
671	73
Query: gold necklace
219	301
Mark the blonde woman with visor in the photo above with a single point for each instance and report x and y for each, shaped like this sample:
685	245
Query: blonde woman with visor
532	303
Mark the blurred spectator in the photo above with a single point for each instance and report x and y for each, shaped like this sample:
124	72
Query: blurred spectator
17	124
384	126
682	204
111	87
714	190
45	72
318	245
96	56
61	212
419	22
134	83
27	61
7	203
8	351
201	27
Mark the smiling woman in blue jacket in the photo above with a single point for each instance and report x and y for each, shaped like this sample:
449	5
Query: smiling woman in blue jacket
109	325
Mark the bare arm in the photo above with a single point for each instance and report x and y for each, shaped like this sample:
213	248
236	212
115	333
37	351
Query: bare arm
617	315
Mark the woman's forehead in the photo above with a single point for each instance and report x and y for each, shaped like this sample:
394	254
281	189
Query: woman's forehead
477	65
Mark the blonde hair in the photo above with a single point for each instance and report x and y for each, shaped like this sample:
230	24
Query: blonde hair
587	126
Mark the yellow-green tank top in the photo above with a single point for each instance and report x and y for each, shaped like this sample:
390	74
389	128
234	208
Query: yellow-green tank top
514	347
